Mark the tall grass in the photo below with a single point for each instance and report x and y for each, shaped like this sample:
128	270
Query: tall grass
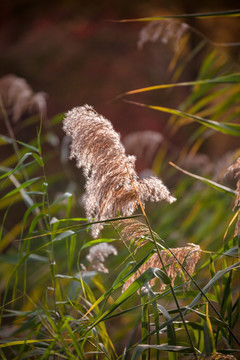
160	282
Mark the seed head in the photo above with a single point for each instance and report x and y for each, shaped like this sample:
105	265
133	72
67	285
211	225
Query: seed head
19	99
189	254
167	31
143	144
98	254
112	185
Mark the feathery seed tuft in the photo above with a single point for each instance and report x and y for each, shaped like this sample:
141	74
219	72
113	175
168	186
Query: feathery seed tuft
111	179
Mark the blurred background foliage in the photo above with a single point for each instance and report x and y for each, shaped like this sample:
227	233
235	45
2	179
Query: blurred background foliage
76	55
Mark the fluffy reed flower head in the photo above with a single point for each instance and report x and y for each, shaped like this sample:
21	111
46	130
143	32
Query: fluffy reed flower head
220	169
98	254
234	172
133	230
19	99
168	31
196	162
143	144
189	255
112	185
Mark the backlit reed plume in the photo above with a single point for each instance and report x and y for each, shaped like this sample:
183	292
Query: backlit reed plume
187	256
221	167
19	99
112	185
97	255
199	163
143	144
167	31
133	230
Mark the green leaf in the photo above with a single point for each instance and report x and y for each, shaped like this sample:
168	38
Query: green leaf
213	184
123	274
31	147
145	321
215	278
162	276
23	186
61	198
14	258
57	119
39	139
132	289
208	335
232	79
75	342
24	341
97	241
170	328
38	159
18	166
195	15
155	314
225	128
5	140
71	252
64	235
35	221
163	347
121	279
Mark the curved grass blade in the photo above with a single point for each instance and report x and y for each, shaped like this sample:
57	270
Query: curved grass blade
21	342
85	225
18	166
203	292
170	328
229	79
225	128
208	335
153	300
22	186
149	274
31	147
121	279
163	347
145	321
213	184
213	14
215	278
10	236
97	241
61	198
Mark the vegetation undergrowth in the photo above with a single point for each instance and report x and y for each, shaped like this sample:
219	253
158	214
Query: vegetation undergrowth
124	278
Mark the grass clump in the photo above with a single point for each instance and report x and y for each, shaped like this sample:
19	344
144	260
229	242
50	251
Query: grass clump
109	286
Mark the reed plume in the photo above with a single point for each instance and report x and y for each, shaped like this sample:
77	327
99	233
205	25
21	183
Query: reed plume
133	230
234	172
112	185
168	31
143	144
97	255
188	255
19	99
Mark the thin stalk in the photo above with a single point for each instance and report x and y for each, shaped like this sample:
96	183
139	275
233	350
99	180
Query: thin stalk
162	263
52	258
209	301
124	242
16	149
10	129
